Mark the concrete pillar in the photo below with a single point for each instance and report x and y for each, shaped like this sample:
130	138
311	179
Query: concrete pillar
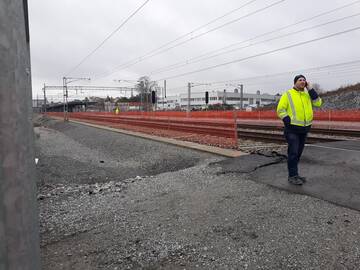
19	230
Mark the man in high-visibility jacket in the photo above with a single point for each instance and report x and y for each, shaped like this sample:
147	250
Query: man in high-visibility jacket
295	110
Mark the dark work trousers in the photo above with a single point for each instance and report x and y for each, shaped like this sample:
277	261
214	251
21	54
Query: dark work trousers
296	143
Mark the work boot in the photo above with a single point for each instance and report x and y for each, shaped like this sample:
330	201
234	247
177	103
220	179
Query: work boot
295	180
303	179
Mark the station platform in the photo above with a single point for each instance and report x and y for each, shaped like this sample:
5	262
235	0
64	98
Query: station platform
332	171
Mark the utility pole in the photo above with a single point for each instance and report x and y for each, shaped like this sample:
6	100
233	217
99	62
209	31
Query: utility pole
190	85
64	95
188	100
44	90
164	95
145	100
66	81
19	229
241	96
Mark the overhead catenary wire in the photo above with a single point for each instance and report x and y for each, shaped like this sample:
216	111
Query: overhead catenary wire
214	53
339	70
312	76
142	57
277	85
268	33
260	42
355	62
147	56
272	75
107	38
262	54
200	27
274	85
269	79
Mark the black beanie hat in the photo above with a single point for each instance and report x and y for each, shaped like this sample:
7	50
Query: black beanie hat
298	77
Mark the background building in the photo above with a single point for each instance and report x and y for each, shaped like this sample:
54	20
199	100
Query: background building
197	100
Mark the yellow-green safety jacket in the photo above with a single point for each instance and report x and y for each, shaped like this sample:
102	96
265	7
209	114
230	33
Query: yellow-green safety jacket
298	106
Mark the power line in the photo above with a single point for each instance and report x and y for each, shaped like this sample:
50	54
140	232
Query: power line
200	27
317	72
108	37
209	31
318	68
203	56
264	53
315	76
314	69
148	55
136	60
260	42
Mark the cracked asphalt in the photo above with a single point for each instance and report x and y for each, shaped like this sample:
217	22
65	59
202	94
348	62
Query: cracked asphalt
155	206
332	171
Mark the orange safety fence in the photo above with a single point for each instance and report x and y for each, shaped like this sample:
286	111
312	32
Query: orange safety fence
209	127
221	133
330	115
338	115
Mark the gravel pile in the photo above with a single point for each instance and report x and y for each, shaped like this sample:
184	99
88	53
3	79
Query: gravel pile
342	101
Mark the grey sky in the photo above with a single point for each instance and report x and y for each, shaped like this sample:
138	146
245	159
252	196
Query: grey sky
63	32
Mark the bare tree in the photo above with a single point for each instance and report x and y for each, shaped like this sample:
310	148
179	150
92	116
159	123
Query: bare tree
144	87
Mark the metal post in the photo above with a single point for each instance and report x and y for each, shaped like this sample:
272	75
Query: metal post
188	100
66	94
164	95
241	96
236	139
19	230
64	83
44	89
66	102
146	99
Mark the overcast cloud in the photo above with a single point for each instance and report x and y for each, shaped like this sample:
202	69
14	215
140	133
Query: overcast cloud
64	32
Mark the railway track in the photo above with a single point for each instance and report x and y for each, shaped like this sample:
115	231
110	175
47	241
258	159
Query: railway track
271	133
219	128
264	133
324	131
277	137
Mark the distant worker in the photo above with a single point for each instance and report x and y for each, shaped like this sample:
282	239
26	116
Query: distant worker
117	110
295	110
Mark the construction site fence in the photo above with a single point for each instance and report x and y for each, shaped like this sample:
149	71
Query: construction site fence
330	115
151	123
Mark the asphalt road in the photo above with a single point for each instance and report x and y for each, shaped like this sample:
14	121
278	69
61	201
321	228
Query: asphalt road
332	171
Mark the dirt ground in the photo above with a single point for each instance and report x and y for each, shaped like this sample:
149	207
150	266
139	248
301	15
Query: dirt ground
112	201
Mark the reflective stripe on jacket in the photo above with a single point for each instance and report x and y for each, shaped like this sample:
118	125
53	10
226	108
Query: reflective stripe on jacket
298	106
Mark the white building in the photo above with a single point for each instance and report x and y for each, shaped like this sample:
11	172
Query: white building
169	103
197	100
